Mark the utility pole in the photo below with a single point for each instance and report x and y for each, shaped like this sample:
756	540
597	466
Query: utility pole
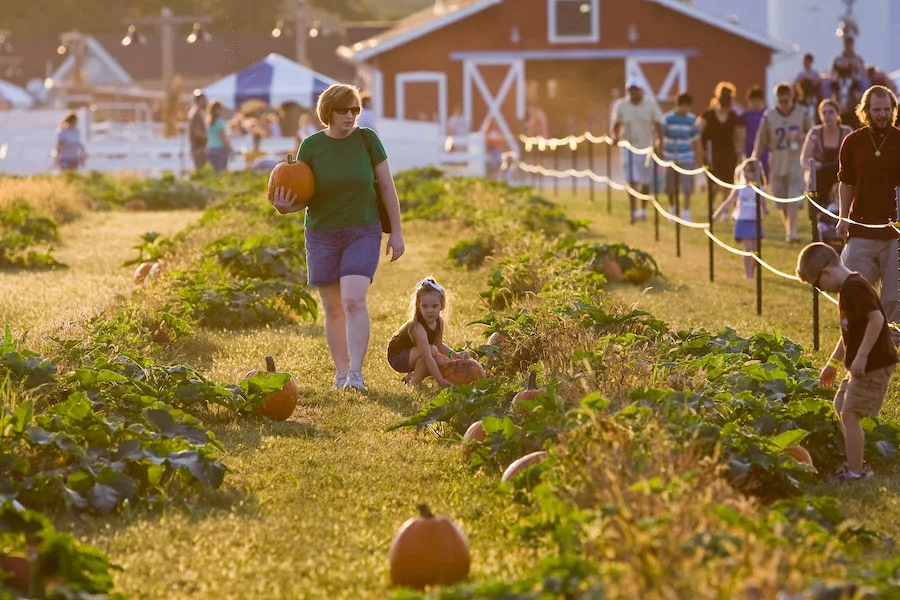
298	16
167	23
75	43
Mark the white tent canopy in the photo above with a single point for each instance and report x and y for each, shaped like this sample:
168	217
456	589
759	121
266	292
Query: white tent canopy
274	80
14	95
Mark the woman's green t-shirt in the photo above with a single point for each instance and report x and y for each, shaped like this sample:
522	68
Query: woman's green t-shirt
344	193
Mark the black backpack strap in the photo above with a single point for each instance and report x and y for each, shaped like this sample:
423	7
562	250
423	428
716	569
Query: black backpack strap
365	139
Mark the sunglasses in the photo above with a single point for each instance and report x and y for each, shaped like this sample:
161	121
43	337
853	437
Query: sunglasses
354	110
431	284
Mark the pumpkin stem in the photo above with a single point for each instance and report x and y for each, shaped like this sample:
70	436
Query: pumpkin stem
532	381
270	364
425	512
290	159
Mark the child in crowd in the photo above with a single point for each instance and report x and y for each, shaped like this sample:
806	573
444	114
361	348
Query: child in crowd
417	348
747	173
827	225
865	348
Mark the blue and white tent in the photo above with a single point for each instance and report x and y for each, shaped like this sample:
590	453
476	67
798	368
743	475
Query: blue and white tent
274	80
14	95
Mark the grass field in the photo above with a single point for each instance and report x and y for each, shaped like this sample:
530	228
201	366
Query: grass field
310	505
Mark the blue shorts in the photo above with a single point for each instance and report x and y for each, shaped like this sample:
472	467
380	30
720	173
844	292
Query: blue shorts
335	253
745	229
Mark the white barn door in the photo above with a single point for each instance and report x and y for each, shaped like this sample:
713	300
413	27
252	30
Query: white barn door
675	81
513	83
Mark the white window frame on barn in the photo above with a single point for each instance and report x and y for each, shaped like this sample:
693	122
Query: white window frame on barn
422	77
553	35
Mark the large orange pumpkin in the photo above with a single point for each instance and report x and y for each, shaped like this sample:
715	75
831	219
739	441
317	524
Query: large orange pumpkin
429	550
280	405
461	371
297	177
523	463
529	394
800	454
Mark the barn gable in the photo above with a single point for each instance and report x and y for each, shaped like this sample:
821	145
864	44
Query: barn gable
493	57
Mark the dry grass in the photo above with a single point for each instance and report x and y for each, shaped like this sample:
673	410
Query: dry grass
94	248
49	196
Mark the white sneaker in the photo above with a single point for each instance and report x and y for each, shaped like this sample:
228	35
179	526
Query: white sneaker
686	215
643	214
354	382
636	216
339	380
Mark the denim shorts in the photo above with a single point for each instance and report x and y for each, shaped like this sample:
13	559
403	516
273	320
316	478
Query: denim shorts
335	253
400	361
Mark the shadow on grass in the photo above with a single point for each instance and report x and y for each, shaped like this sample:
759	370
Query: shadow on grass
403	403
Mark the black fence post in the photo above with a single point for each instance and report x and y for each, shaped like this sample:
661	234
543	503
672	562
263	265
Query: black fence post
590	153
555	151
677	214
609	178
759	267
656	194
709	206
812	195
539	164
632	202
574	147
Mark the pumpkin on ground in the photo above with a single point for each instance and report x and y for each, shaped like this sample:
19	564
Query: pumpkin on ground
612	270
800	454
136	205
521	464
297	178
18	571
280	405
461	371
529	394
475	432
142	272
429	550
497	339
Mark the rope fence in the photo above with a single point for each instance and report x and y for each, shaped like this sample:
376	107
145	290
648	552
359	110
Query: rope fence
573	142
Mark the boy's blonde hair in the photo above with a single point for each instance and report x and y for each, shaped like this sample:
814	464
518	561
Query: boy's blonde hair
814	259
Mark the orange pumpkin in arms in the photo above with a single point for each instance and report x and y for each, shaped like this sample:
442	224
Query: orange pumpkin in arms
297	178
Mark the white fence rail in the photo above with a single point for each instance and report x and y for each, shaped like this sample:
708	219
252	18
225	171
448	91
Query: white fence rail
27	140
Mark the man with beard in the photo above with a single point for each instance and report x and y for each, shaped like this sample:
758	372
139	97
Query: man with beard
868	173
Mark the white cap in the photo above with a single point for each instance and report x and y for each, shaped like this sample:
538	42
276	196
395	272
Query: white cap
634	82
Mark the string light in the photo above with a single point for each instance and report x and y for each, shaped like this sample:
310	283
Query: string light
198	33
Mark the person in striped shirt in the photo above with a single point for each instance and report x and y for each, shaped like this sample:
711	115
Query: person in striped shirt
681	144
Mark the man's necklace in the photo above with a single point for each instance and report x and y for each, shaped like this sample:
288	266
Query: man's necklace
878	147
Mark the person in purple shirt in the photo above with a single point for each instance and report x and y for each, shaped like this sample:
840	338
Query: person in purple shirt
751	118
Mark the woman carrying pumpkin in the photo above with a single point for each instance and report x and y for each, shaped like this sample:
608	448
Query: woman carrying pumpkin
417	348
343	228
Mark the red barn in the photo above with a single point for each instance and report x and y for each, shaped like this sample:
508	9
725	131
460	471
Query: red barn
570	57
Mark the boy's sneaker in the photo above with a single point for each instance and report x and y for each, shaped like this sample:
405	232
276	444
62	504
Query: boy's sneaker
844	474
339	380
355	382
686	215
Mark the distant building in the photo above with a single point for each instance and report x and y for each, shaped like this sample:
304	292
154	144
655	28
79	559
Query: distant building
571	57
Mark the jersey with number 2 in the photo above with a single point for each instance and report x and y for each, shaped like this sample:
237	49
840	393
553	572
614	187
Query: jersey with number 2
775	134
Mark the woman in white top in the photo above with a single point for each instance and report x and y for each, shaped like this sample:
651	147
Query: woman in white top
749	172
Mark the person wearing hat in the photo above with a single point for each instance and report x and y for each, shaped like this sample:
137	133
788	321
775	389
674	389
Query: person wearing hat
636	120
197	133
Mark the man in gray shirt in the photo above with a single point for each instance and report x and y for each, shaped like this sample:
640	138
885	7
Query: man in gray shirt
197	130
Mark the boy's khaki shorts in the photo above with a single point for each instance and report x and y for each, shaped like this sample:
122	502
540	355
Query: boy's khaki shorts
865	394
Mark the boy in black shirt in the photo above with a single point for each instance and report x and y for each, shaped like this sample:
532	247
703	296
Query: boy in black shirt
865	348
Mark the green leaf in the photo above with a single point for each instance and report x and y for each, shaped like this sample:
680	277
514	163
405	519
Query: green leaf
788	438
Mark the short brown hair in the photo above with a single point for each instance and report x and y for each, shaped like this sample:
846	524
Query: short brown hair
813	259
784	89
338	95
862	109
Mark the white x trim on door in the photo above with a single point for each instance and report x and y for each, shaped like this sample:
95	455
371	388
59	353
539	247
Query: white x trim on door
473	79
677	72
